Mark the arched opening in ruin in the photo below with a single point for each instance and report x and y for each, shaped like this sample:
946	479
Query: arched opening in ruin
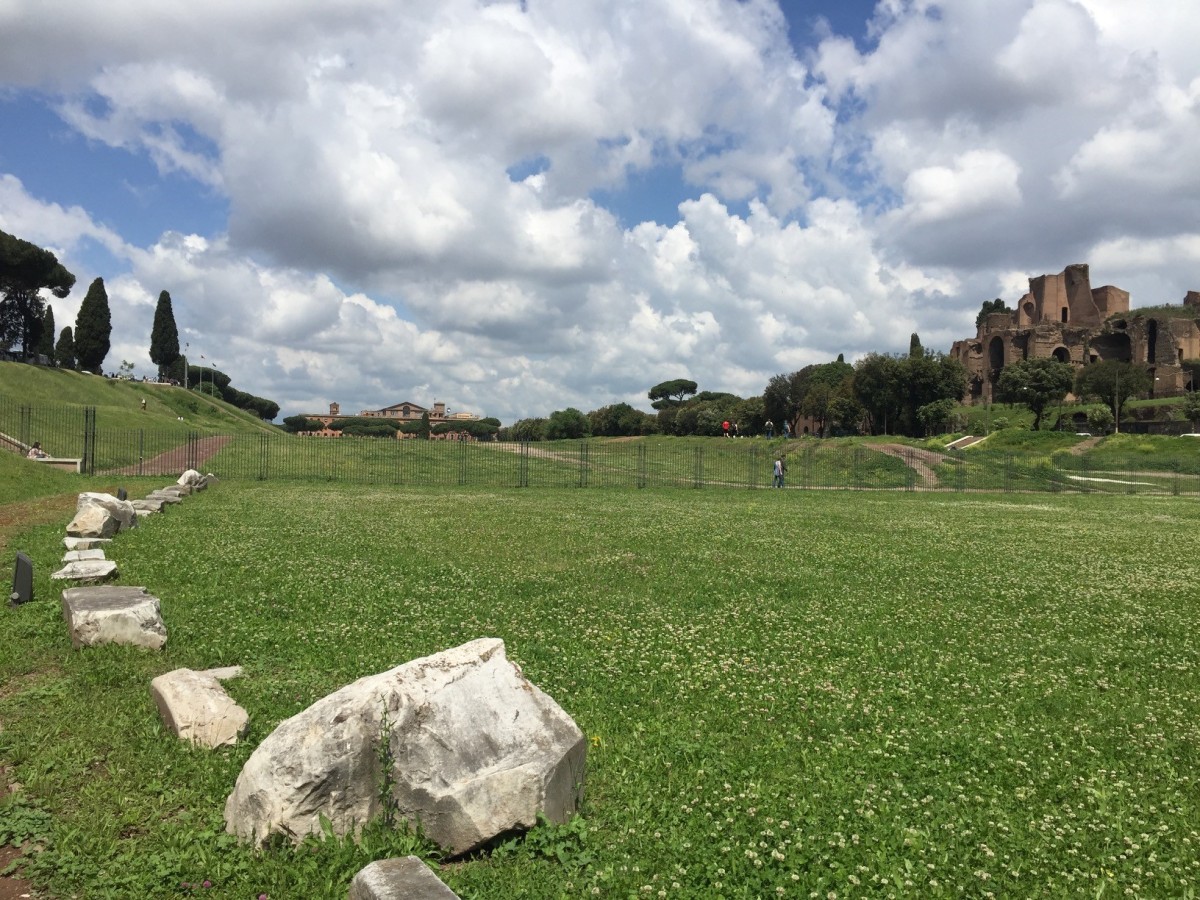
995	358
1152	341
1062	354
1030	311
1066	313
1111	346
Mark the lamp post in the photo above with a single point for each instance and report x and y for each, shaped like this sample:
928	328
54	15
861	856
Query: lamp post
1117	402
185	366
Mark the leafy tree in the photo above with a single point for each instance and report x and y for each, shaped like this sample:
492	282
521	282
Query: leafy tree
934	416
566	424
620	419
914	346
64	350
1036	384
164	336
671	393
528	430
1100	419
424	431
783	397
1112	382
45	345
294	424
989	307
1191	408
25	269
93	328
878	384
750	415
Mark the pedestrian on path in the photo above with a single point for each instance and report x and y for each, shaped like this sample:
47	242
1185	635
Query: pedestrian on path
779	470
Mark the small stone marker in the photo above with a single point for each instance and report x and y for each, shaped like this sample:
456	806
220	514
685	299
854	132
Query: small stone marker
403	878
113	615
86	570
22	584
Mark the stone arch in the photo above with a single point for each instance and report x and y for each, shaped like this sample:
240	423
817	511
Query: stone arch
1062	354
1030	311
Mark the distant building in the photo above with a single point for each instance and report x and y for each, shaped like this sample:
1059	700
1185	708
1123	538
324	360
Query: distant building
1063	317
399	413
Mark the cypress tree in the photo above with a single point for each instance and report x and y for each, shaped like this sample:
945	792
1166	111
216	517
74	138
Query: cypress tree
45	346
164	336
64	353
93	329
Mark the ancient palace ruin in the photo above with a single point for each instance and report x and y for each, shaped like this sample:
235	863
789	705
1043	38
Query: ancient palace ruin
1065	318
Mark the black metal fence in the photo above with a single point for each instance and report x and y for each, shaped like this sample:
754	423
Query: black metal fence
73	432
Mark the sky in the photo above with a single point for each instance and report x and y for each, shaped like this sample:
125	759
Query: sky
516	207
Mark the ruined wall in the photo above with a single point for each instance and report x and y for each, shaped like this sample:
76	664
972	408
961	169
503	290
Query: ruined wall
1062	317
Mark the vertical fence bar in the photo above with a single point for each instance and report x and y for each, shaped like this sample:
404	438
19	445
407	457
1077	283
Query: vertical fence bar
641	466
698	473
583	464
523	466
1009	463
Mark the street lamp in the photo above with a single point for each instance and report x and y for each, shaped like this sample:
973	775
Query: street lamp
185	366
1117	402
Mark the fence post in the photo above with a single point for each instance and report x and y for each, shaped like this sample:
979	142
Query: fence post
698	474
88	464
462	462
262	457
25	425
910	474
523	466
641	469
1008	473
583	463
141	449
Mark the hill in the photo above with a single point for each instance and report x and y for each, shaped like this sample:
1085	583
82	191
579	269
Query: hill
118	403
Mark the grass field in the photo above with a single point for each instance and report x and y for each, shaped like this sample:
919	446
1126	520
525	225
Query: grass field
785	693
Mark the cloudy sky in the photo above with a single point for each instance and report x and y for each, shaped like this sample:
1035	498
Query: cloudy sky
514	207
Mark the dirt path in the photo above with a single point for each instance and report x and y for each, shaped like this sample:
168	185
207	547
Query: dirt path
1084	446
175	460
920	461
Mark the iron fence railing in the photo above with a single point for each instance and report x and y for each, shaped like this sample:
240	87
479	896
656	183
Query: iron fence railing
73	432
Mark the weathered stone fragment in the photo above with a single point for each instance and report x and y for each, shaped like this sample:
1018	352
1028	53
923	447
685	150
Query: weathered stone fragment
148	505
191	478
476	750
86	570
113	615
81	555
101	516
403	878
80	543
195	707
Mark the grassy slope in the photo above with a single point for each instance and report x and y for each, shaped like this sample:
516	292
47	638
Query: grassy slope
118	402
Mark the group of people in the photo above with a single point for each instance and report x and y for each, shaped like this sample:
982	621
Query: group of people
769	429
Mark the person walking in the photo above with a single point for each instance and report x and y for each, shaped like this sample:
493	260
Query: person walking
779	469
725	427
770	428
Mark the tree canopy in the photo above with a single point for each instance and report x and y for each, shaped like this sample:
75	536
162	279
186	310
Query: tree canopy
1036	384
93	328
671	393
1112	382
164	336
989	307
26	269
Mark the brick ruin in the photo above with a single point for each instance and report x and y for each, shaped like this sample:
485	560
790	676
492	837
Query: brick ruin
1065	318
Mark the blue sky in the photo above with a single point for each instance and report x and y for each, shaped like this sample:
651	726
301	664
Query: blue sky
515	208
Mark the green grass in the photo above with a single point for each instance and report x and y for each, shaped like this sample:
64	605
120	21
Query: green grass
785	693
117	403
